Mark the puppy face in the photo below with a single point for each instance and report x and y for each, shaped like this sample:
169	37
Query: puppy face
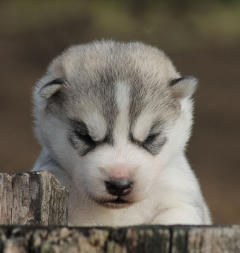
113	115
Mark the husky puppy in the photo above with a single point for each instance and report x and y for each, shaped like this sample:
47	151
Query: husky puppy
113	119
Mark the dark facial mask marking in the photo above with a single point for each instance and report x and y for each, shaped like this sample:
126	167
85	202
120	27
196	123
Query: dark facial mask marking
81	140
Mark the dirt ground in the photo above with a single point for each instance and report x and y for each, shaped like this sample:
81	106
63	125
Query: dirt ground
214	147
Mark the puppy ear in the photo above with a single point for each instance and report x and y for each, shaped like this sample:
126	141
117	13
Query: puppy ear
184	86
51	88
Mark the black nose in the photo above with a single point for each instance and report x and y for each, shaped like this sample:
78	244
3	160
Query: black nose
119	187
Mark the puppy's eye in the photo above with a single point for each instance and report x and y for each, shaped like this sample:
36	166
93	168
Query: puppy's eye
85	137
150	138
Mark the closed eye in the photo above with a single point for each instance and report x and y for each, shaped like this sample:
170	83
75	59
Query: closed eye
150	138
80	132
85	137
153	143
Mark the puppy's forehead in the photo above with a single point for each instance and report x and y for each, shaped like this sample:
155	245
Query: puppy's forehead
118	59
92	71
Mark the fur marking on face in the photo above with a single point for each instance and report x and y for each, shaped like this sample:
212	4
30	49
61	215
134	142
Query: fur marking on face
114	119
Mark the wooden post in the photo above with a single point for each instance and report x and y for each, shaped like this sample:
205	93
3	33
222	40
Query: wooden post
139	239
35	198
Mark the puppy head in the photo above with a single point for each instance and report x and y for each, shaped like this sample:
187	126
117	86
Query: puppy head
113	115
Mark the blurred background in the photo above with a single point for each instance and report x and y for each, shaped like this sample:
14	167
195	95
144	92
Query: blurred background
201	37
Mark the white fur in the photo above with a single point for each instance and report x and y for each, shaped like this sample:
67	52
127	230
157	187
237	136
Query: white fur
165	191
122	93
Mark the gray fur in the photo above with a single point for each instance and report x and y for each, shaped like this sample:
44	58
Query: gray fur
184	86
122	110
91	71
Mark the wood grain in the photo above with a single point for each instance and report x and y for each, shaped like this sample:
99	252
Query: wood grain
32	198
37	198
139	239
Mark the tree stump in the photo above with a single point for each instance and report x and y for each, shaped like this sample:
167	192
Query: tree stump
32	198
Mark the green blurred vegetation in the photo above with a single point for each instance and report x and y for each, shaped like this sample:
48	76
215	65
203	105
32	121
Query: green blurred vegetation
185	24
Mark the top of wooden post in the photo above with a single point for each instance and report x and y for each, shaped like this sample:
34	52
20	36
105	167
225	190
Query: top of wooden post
32	198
